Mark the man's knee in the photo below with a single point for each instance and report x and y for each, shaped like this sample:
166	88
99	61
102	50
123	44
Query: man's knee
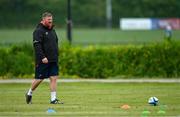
53	78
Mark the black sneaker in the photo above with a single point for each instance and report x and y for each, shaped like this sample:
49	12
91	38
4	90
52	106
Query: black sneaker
28	99
56	101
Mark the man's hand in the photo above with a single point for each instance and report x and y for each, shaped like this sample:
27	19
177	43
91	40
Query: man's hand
45	60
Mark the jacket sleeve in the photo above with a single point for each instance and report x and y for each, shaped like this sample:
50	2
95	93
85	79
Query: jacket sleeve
56	37
37	43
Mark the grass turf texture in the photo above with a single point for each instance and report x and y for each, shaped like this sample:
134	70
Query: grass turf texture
92	99
90	36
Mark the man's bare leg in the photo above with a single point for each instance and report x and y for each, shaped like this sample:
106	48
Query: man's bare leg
34	85
53	86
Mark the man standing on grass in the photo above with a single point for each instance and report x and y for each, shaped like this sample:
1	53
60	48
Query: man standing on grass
45	44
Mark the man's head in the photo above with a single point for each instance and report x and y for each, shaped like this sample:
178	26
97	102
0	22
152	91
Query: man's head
47	19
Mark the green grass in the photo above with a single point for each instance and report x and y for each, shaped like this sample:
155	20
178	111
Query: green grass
92	99
89	36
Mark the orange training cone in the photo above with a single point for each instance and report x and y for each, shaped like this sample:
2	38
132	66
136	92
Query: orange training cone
125	106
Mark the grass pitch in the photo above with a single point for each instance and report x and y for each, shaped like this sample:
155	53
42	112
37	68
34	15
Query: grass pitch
92	99
90	36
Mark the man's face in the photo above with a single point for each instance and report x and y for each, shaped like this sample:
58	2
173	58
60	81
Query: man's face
48	21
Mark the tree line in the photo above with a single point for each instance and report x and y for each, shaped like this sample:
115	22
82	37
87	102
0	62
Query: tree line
85	13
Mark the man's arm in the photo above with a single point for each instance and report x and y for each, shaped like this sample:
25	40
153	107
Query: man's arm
56	37
37	42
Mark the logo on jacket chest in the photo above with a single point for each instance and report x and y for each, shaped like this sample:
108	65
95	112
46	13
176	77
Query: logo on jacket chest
46	33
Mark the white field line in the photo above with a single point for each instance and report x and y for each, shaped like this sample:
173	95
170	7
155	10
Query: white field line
71	114
98	80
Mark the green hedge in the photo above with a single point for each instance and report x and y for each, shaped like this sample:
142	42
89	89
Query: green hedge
16	61
154	60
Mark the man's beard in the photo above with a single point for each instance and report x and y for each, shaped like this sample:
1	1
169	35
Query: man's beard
48	24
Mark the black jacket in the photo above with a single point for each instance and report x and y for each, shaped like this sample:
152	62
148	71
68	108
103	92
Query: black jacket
45	43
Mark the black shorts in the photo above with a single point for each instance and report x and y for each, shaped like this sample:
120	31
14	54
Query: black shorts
46	70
